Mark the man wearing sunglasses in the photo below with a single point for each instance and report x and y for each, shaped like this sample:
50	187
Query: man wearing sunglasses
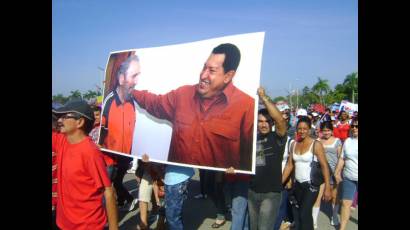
81	172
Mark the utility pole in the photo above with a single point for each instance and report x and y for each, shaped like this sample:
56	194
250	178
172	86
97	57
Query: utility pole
297	98
353	88
102	77
290	95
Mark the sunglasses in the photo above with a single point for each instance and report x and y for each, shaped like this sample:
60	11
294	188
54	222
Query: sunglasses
68	116
354	126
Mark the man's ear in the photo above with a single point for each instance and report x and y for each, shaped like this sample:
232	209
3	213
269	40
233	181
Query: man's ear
81	123
229	75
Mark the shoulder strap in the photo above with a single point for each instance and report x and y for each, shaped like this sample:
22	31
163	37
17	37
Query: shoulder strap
293	147
313	150
288	144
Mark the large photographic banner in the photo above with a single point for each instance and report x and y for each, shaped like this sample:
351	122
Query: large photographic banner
161	70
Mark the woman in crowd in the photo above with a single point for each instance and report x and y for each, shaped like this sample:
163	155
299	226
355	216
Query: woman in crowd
348	164
342	126
333	147
303	151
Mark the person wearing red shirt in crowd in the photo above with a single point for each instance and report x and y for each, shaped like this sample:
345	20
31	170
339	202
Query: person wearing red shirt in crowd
342	128
212	120
81	172
117	127
95	132
54	177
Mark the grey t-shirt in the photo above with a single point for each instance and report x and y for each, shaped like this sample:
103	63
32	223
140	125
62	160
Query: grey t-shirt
331	154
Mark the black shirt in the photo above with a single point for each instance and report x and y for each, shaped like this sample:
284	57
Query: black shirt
269	156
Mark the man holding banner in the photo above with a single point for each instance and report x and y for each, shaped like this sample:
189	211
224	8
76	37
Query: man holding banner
212	120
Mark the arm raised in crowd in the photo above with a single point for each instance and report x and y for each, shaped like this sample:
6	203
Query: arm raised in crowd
280	123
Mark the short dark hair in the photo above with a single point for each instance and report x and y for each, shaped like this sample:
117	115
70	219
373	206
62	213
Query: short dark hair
232	56
306	120
340	114
265	113
326	125
88	125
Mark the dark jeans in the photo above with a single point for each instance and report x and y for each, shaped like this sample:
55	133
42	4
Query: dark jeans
263	209
122	193
205	180
306	196
216	181
175	195
238	190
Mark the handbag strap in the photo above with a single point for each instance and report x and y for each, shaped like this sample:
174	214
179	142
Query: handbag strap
313	150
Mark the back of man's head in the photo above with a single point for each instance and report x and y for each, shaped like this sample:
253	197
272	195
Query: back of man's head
232	56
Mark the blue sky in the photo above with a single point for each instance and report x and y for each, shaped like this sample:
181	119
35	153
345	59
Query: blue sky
303	39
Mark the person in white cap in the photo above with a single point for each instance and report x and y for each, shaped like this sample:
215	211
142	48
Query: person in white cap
292	130
315	124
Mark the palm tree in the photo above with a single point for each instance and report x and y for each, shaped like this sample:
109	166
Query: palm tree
321	88
90	94
60	98
351	83
75	94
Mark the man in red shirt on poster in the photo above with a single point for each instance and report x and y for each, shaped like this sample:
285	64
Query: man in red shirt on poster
212	121
81	172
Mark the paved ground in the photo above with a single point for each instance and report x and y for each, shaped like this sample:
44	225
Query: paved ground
200	214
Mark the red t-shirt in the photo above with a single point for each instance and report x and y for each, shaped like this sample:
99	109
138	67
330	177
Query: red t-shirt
341	131
53	180
82	177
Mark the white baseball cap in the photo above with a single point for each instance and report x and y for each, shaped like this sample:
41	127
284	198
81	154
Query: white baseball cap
301	112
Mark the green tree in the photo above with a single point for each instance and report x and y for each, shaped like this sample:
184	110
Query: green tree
308	97
60	98
351	86
76	94
280	98
90	94
321	88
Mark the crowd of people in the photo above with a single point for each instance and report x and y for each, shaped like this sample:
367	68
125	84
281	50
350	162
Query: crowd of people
303	157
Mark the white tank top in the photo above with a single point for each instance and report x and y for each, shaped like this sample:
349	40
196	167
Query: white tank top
302	164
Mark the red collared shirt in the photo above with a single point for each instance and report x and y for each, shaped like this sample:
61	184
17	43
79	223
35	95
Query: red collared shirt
220	136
